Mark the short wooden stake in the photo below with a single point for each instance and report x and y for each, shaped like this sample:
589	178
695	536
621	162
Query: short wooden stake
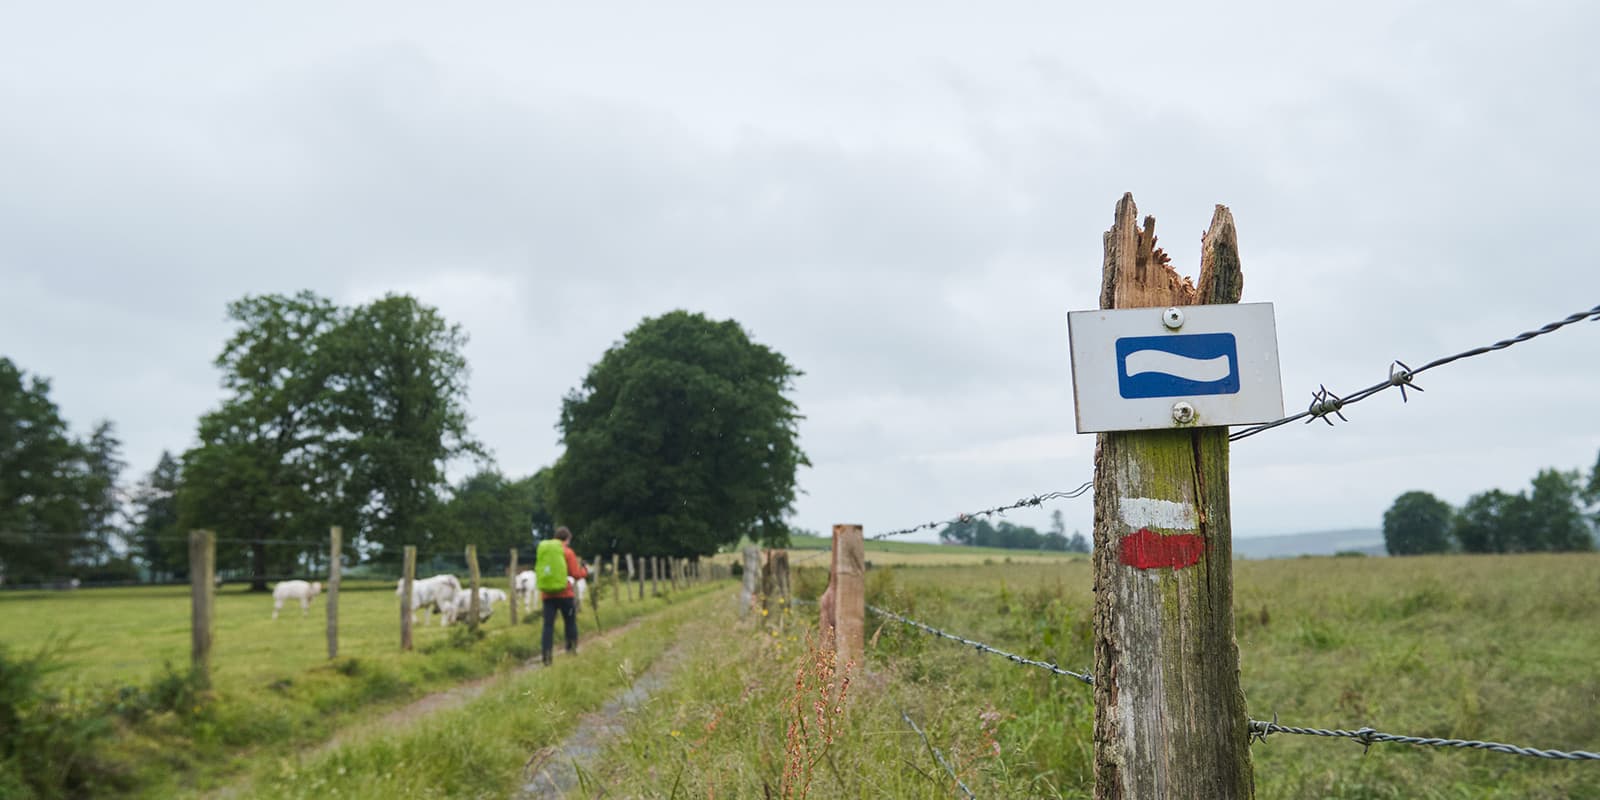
335	549
202	603
847	586
472	575
752	575
511	575
408	577
1170	718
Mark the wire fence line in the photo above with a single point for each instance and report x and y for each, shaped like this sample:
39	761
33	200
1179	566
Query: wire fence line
984	648
937	755
1325	402
1260	729
1035	500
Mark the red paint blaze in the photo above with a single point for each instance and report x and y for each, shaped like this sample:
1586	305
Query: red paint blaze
1150	550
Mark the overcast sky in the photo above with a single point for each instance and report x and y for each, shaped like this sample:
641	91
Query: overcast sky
903	198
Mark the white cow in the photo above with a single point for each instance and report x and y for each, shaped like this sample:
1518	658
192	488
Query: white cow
486	600
527	586
437	593
294	590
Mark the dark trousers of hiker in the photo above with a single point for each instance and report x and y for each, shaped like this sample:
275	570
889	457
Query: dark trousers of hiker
569	622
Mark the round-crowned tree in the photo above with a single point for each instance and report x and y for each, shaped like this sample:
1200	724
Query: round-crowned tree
681	439
1417	523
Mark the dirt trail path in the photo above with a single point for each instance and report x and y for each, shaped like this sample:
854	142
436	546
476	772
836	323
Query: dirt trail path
408	714
553	771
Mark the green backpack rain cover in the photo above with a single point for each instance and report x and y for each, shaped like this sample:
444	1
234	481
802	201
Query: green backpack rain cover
550	566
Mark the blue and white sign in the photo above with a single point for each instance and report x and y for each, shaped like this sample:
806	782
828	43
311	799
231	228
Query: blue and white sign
1148	368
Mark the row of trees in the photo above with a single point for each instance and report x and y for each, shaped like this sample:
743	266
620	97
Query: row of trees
680	440
1559	513
979	533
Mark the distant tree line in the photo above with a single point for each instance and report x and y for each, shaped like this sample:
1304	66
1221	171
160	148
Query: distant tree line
979	533
680	440
1560	512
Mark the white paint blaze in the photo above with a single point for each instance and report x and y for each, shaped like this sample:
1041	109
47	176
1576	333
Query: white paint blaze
1203	370
1145	512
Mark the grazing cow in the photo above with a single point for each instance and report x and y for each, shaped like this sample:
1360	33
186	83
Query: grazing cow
526	585
486	600
294	590
437	593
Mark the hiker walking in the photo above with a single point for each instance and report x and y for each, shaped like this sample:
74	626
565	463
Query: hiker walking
553	566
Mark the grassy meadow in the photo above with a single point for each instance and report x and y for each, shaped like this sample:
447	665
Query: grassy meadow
1498	648
120	658
1501	648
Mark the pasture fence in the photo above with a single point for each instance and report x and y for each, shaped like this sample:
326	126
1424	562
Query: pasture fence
937	756
1140	452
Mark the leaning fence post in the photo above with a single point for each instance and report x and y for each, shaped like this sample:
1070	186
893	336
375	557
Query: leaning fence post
847	583
511	596
472	575
1170	719
335	548
202	603
752	572
408	576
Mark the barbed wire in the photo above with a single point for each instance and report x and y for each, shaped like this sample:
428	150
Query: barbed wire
984	648
1035	500
936	754
1325	402
1259	731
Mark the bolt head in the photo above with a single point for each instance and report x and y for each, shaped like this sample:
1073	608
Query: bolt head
1172	318
1182	413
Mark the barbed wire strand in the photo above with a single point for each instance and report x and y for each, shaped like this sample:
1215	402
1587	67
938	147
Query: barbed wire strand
1259	731
1325	402
1035	500
937	755
984	648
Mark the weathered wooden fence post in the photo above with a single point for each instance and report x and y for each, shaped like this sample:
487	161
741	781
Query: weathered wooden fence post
511	581
752	573
472	576
202	603
1170	718
780	570
408	577
616	578
844	610
335	549
655	575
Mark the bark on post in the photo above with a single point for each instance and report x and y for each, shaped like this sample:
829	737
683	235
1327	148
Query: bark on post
752	570
472	577
335	547
202	603
1170	718
511	596
408	579
845	609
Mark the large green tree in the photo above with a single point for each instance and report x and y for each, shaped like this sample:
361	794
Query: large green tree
401	380
681	439
58	499
1417	523
333	417
495	513
265	473
1493	522
1555	515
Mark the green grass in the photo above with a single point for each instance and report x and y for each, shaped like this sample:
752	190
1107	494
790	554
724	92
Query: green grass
480	749
1498	648
274	691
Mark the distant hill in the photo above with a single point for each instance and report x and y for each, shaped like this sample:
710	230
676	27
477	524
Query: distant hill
1317	543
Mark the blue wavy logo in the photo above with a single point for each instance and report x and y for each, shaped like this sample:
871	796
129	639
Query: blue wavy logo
1177	366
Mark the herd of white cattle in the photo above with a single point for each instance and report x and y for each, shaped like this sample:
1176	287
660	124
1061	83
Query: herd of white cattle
442	593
